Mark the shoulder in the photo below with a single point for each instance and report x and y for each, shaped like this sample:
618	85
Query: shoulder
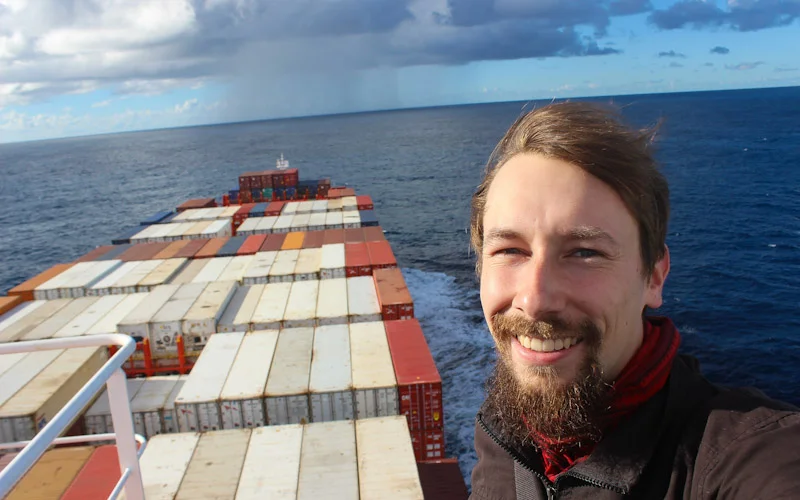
493	475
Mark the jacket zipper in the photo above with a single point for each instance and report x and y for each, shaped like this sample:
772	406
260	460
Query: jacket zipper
552	489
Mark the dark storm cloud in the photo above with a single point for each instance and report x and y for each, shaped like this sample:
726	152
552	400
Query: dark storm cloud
671	53
746	15
720	50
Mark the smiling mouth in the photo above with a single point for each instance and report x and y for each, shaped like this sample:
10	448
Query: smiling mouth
549	345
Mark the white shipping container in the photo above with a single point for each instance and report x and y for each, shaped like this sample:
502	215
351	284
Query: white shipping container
320	206
21	311
59	320
17	329
242	396
301	307
162	274
97	418
136	323
49	289
236	269
216	465
331	381
332	261
163	464
147	406
280	447
103	287
189	272
201	320
23	371
130	282
160	233
225	323
332	302
29	410
300	222
304	207
167	323
362	300
308	264
284	222
218	229
283	267
259	267
108	323
335	205
182	216
349	203
248	227
197	230
180	230
374	382
265	224
197	402
170	415
94	272
287	385
351	220
268	314
8	361
290	208
387	469
90	316
328	462
317	221
212	269
334	220
242	322
142	235
229	212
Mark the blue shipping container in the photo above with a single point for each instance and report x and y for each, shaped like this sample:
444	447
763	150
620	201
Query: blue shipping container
125	237
368	218
156	218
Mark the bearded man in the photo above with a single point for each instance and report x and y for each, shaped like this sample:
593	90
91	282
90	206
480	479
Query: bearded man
589	398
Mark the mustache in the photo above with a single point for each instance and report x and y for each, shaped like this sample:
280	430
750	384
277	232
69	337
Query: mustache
548	327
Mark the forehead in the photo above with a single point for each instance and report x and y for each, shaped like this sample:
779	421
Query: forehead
533	193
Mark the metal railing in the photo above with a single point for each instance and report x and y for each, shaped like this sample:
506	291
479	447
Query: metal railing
114	378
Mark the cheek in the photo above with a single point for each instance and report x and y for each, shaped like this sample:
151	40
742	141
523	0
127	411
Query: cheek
496	291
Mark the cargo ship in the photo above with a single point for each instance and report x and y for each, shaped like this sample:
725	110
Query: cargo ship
261	344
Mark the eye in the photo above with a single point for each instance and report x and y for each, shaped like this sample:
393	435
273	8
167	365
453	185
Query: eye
585	253
507	251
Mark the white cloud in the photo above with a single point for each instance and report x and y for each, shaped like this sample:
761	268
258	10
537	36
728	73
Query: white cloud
186	106
101	104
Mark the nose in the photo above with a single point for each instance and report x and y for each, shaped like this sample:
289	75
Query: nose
539	289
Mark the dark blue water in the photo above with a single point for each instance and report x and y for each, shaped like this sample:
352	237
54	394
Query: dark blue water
732	159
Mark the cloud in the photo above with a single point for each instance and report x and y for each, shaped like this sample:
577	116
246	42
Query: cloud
629	7
101	104
741	15
720	50
186	106
671	53
744	66
785	70
675	65
709	64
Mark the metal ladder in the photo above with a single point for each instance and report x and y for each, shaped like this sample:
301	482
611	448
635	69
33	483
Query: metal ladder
113	377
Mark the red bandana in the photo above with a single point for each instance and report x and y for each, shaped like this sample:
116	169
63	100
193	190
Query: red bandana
643	376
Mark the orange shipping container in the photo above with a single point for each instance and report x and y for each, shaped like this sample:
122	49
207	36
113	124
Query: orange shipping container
373	233
171	249
197	203
393	295
293	241
364	202
25	289
252	244
428	444
381	255
9	303
94	254
418	382
356	260
52	474
190	250
211	248
97	478
442	480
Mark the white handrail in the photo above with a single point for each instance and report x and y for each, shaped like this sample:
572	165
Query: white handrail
113	377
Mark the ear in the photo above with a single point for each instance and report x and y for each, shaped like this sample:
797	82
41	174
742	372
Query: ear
655	284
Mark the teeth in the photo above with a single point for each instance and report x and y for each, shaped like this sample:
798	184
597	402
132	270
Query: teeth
548	345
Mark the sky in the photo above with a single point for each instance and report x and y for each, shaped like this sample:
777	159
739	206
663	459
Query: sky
81	67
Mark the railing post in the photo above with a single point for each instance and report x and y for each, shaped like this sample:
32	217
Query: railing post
123	428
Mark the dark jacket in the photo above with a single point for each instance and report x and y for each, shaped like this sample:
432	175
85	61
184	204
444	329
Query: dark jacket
692	440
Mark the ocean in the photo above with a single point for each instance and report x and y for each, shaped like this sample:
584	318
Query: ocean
731	159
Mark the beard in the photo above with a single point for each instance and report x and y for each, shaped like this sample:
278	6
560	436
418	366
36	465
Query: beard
560	410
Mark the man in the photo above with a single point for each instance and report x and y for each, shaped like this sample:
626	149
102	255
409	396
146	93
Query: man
589	398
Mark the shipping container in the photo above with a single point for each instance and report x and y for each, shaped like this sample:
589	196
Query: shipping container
94	254
333	236
210	248
386	465
381	255
242	396
240	303
196	230
351	219
393	295
8	361
332	302
50	288
332	261
97	478
374	382
10	318
331	380
286	393
22	325
105	285
162	274
215	467
252	244
334	220
349	204
335	205
319	206
218	229
129	283
282	269
328	462
144	234
290	209
147	406
109	322
201	320
304	207
26	288
30	409
300	221
84	321
52	474
293	241
356	260
274	208
308	264
170	415
364	202
268	314
373	234
197	404
248	226
167	323
442	480
125	236
265	224
236	269
418	382
273	242
301	307
317	221
362	300
258	210
368	218
197	203
428	444
136	323
171	249
189	272
280	447
354	235
23	371
313	239
284	222
156	217
258	270
163	464
59	320
212	270
191	249
97	419
231	248
88	276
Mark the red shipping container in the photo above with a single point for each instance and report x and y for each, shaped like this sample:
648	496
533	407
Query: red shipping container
322	192
313	239
197	203
244	182
356	260
381	255
241	214
353	235
190	250
290	177
348	192
266	179
143	251
364	202
245	197
97	478
273	243
211	248
252	244
418	382
97	252
428	444
334	193
171	249
255	180
442	480
9	303
373	233
274	208
393	295
333	236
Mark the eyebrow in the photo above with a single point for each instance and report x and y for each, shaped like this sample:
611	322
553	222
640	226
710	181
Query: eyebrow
579	233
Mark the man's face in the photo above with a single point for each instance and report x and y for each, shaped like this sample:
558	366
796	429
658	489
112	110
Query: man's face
562	286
